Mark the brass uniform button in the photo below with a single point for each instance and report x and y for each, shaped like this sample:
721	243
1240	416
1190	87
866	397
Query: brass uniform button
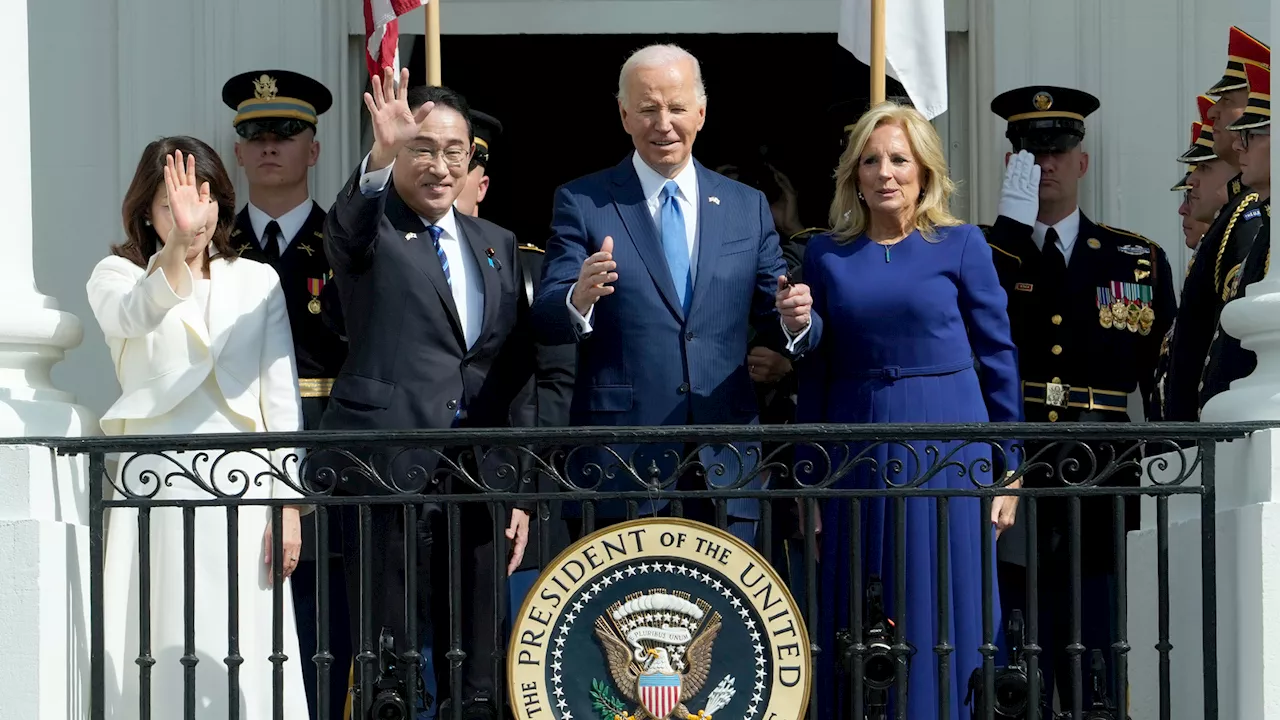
1056	349
1053	416
1056	319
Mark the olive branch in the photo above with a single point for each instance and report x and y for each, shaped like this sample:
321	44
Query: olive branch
605	703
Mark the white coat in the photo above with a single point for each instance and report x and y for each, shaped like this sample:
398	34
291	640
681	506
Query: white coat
217	358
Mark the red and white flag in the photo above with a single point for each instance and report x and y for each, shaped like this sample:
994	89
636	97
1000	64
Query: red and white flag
382	32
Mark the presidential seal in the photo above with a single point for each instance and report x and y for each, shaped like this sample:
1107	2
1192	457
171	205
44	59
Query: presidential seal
659	619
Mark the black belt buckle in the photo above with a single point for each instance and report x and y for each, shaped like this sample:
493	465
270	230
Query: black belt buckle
1057	395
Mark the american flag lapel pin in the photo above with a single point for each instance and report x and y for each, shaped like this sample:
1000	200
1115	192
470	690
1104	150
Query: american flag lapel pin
713	199
410	236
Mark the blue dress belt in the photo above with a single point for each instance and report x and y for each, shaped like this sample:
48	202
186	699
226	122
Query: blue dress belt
895	372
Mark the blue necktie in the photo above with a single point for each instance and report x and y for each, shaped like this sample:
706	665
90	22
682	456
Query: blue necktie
436	231
675	243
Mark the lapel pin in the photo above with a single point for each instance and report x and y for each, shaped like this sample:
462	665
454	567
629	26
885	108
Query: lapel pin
1094	244
714	199
410	236
307	249
494	262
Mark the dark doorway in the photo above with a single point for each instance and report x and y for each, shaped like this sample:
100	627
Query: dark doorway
785	95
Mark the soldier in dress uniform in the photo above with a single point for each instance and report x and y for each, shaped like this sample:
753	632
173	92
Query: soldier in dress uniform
276	116
1204	189
1088	306
1227	360
1218	257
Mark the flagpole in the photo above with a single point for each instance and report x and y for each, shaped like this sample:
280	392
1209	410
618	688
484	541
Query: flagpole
432	40
877	52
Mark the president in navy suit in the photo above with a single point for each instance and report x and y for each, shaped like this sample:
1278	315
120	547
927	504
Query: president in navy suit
659	268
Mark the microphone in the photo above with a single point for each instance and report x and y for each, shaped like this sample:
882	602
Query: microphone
494	262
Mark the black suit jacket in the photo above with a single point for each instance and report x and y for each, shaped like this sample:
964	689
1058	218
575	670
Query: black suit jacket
408	366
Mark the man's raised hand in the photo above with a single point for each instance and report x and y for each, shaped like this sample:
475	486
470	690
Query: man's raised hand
394	123
593	280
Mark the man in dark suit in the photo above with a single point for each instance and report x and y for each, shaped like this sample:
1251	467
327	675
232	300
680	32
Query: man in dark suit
437	321
276	116
659	268
1088	306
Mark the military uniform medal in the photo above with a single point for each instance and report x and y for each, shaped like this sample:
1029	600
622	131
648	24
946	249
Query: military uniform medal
1119	309
1104	308
314	286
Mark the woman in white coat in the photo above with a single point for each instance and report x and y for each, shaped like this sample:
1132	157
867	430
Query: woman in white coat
201	344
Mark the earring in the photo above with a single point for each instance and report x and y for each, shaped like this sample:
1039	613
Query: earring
147	223
860	195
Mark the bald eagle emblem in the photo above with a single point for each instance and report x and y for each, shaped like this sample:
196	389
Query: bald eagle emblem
264	88
658	646
1043	101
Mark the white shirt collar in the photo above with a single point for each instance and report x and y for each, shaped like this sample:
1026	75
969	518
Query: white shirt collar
448	223
290	222
652	182
1068	228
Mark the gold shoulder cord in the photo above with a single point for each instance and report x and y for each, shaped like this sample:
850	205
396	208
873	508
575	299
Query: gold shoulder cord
1226	236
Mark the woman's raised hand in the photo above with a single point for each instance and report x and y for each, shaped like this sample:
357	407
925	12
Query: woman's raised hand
192	208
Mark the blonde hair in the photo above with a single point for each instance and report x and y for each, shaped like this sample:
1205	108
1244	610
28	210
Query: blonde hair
849	213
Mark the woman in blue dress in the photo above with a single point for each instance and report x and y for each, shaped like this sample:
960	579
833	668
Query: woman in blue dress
917	332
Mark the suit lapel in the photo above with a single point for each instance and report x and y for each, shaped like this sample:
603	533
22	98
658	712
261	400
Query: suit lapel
244	240
306	243
710	237
476	239
420	249
1078	267
629	198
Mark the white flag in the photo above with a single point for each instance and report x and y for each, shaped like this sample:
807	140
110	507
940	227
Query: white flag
915	46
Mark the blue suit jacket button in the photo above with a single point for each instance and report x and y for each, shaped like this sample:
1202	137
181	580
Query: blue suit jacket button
683	389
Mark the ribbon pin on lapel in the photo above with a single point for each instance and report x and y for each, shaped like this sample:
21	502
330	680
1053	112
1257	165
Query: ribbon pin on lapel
713	199
494	262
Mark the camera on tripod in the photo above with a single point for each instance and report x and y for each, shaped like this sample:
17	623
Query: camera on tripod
1102	707
879	666
878	669
1012	683
388	689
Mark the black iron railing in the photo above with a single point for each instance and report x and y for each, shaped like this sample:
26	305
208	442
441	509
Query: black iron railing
808	466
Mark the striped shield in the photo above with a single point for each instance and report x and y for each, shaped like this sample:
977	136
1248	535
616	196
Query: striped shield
659	693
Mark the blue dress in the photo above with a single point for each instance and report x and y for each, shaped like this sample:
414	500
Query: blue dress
903	330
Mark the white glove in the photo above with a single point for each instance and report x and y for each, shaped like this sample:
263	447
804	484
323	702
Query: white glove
1020	193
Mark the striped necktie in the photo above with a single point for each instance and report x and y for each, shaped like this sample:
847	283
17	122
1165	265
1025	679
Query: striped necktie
436	231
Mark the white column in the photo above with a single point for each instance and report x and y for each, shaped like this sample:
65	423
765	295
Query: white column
34	333
44	558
